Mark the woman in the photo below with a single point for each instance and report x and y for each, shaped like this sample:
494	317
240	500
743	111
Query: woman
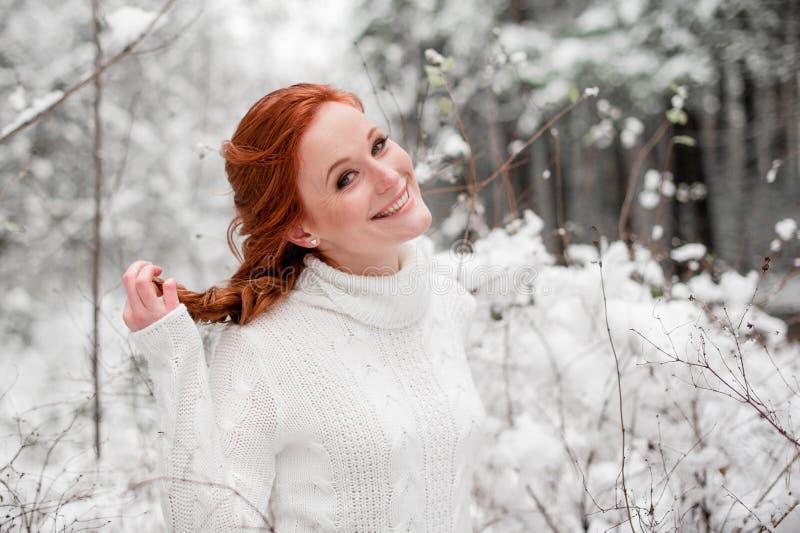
338	397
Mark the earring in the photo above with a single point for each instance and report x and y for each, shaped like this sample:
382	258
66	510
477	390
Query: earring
314	242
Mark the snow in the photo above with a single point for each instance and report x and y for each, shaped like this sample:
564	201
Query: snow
550	348
562	379
455	223
657	232
582	254
632	130
629	11
422	172
687	252
628	138
634	125
602	133
682	193
515	147
515	37
433	57
518	57
37	106
786	228
773	171
648	199
555	90
698	191
651	179
126	23
17	99
452	144
562	366
680	65
596	18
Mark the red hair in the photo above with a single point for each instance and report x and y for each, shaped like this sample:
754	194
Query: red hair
262	164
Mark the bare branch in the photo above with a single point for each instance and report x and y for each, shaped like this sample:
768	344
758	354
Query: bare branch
90	77
619	385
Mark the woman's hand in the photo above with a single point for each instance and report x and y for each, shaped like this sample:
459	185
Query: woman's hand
143	305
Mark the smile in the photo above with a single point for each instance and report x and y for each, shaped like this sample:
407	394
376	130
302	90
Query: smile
396	207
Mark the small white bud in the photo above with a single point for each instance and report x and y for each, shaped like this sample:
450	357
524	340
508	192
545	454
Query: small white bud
657	232
433	57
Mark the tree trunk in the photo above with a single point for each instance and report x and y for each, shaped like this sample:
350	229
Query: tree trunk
98	216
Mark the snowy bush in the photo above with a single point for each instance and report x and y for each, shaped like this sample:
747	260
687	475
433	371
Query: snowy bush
707	383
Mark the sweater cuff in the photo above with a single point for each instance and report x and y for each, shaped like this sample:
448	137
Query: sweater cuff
169	338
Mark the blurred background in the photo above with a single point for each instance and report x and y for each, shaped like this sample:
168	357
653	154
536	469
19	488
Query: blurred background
665	134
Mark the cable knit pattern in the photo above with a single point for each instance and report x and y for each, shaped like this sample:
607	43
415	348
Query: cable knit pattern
348	407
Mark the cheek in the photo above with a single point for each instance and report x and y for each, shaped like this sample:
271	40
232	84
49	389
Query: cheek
353	208
401	161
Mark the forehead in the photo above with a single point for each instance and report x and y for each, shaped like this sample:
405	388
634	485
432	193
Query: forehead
337	131
333	120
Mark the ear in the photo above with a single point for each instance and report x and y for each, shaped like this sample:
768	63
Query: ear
297	235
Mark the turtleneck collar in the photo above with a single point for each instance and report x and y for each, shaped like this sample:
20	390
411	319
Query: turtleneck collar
386	301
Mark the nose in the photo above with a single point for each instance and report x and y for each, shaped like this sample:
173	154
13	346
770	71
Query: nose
385	177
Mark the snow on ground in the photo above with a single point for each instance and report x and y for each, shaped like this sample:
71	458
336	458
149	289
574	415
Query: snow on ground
698	369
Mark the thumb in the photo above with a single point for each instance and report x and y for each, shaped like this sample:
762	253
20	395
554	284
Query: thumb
170	288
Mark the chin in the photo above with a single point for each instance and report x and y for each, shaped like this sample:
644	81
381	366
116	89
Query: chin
414	228
428	219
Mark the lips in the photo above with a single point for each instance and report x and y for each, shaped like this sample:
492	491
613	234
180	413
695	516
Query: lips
391	202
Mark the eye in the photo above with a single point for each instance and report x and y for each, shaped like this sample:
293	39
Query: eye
344	180
379	145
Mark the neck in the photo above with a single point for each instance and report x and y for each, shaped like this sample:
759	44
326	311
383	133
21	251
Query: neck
382	299
365	264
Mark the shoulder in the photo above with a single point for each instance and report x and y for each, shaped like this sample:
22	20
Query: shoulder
293	326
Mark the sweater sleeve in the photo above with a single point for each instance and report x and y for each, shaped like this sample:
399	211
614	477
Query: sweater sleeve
218	427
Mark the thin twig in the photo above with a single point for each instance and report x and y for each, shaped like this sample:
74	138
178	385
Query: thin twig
542	509
619	384
633	177
90	77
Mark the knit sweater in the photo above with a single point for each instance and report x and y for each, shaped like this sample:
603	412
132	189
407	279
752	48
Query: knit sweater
347	407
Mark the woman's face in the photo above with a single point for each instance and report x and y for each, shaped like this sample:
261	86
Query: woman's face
351	175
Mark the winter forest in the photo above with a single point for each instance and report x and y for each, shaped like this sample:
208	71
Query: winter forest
616	181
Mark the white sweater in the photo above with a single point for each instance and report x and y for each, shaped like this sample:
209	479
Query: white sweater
348	407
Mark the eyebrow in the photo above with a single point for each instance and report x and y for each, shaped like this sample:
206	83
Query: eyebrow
342	160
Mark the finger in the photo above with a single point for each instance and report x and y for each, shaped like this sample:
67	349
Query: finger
129	279
159	286
156	272
147	289
126	313
171	294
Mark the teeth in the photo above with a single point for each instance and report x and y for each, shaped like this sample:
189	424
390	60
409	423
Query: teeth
395	206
